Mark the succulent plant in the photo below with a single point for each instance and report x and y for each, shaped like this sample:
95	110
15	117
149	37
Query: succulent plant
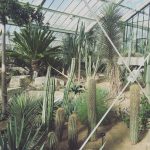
148	82
52	141
134	112
72	132
59	122
91	104
48	103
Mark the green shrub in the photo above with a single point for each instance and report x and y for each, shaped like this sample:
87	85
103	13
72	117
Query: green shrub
101	105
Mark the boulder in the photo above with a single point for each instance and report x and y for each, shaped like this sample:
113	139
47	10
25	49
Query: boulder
19	81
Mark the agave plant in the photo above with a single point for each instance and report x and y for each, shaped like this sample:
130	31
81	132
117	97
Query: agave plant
18	138
33	47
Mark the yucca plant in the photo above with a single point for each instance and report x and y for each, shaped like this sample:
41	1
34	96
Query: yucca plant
111	23
33	46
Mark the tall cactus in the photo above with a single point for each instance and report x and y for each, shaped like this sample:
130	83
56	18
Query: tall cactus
48	102
72	132
148	82
91	105
59	122
52	141
134	112
67	88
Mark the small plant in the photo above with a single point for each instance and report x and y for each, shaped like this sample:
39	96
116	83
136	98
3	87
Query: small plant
72	132
52	141
101	106
134	112
59	122
144	112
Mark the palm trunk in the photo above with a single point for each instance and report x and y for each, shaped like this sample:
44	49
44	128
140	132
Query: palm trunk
4	83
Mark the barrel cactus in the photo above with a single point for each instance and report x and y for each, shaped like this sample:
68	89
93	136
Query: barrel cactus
52	141
59	122
72	132
91	105
134	112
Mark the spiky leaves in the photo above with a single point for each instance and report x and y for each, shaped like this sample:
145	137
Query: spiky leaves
34	43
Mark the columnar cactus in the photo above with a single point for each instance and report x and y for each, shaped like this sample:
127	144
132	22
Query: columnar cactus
72	132
67	88
134	112
148	82
48	103
91	104
59	122
52	141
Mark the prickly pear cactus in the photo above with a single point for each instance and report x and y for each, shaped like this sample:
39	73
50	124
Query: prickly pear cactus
91	104
52	141
134	112
59	122
72	132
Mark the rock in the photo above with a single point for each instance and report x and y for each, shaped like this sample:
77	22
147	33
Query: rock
39	83
19	81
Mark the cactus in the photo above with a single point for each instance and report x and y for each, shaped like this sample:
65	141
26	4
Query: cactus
59	122
134	112
91	105
52	141
48	103
72	132
148	82
67	88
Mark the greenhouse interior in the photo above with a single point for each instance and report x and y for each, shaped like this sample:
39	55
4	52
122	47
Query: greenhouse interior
75	74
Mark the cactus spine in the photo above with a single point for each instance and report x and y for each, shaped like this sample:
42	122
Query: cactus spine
72	132
148	82
91	104
134	112
59	122
52	141
48	103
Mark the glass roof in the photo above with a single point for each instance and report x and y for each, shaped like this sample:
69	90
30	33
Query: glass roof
62	15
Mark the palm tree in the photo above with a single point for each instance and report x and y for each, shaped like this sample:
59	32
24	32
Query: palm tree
111	23
33	47
19	14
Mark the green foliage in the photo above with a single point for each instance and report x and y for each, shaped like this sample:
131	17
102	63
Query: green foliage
18	13
72	131
34	43
23	106
52	141
101	105
59	122
144	112
17	137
